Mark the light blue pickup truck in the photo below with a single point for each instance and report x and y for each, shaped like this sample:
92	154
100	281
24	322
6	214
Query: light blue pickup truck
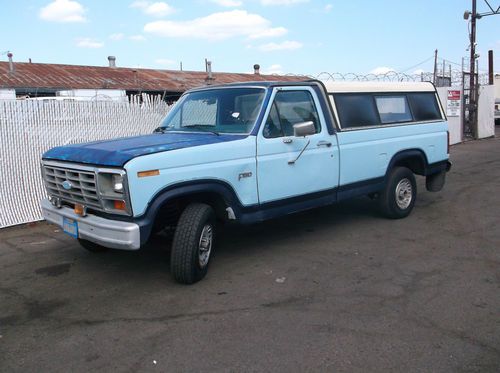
247	153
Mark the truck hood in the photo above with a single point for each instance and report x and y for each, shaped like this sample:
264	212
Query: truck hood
117	152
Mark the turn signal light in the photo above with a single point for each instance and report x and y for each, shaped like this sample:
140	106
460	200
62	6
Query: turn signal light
79	209
148	173
119	204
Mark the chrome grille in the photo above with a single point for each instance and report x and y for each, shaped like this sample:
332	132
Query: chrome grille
83	185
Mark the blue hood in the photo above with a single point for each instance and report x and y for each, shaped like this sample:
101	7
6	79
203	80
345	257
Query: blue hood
119	151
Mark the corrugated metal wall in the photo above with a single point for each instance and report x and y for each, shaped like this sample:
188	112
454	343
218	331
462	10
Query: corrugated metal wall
29	128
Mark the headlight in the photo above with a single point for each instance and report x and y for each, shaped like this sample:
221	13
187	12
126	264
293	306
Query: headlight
117	183
113	192
110	183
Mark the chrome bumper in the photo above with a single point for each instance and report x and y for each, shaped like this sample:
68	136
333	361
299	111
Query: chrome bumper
109	233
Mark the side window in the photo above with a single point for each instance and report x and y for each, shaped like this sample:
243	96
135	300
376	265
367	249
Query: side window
356	110
272	129
424	106
289	108
393	109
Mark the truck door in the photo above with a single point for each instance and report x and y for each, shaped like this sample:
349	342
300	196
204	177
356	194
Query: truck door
316	169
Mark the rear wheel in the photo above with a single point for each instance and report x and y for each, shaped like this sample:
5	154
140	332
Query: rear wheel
91	246
398	198
193	243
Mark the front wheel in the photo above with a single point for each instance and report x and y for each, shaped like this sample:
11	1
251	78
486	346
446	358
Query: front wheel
398	197
193	243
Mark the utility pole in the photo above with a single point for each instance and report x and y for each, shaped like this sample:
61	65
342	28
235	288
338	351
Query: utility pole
435	66
474	86
472	77
491	80
442	73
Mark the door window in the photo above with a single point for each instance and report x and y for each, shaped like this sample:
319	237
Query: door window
289	108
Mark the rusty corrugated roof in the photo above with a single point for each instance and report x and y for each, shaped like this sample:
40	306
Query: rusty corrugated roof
55	76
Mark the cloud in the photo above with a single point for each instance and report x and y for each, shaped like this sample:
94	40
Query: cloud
269	33
137	38
286	45
157	9
381	70
328	7
216	26
228	3
64	11
165	62
418	72
282	2
88	43
273	69
117	36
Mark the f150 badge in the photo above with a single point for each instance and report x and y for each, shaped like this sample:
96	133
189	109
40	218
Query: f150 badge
244	174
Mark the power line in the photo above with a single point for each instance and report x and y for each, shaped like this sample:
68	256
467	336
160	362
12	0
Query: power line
418	64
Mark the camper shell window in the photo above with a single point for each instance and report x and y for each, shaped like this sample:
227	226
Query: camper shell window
359	110
393	109
424	106
356	110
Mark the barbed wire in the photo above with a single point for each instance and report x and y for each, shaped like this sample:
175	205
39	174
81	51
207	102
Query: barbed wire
455	78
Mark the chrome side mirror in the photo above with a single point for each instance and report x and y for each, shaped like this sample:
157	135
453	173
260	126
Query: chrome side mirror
304	129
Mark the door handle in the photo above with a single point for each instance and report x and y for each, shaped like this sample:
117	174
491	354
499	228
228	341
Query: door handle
324	143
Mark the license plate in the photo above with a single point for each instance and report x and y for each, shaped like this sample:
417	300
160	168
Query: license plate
70	227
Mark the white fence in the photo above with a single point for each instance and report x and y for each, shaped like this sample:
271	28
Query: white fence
29	128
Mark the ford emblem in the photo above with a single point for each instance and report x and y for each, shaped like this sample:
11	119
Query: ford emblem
66	184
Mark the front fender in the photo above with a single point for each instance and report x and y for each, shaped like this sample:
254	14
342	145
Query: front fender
184	189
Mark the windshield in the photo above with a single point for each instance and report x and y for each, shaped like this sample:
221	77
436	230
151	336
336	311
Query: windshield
225	110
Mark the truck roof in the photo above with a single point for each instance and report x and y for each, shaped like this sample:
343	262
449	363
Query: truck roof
339	87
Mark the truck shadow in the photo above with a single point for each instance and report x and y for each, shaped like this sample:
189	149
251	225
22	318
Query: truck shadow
237	242
233	237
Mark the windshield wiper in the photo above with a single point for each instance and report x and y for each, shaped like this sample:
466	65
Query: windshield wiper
203	127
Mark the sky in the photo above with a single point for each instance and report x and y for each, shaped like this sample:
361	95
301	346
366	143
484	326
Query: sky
283	36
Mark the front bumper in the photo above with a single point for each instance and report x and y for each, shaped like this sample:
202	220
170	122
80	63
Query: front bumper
106	232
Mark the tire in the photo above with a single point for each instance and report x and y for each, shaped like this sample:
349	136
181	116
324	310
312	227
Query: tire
398	197
193	243
91	246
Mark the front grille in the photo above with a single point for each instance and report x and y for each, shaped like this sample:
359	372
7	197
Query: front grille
83	185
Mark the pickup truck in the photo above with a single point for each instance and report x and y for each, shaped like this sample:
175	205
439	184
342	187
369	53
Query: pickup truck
246	153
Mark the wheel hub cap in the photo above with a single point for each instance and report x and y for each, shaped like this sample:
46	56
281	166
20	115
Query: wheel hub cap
404	194
205	245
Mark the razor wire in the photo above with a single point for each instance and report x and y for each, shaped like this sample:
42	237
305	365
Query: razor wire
28	128
455	78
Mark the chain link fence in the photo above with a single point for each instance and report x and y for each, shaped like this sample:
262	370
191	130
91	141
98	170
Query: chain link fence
28	128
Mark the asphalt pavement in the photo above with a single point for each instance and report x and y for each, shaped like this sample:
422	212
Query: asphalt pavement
339	289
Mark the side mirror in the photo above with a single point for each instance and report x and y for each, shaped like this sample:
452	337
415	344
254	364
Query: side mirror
304	129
